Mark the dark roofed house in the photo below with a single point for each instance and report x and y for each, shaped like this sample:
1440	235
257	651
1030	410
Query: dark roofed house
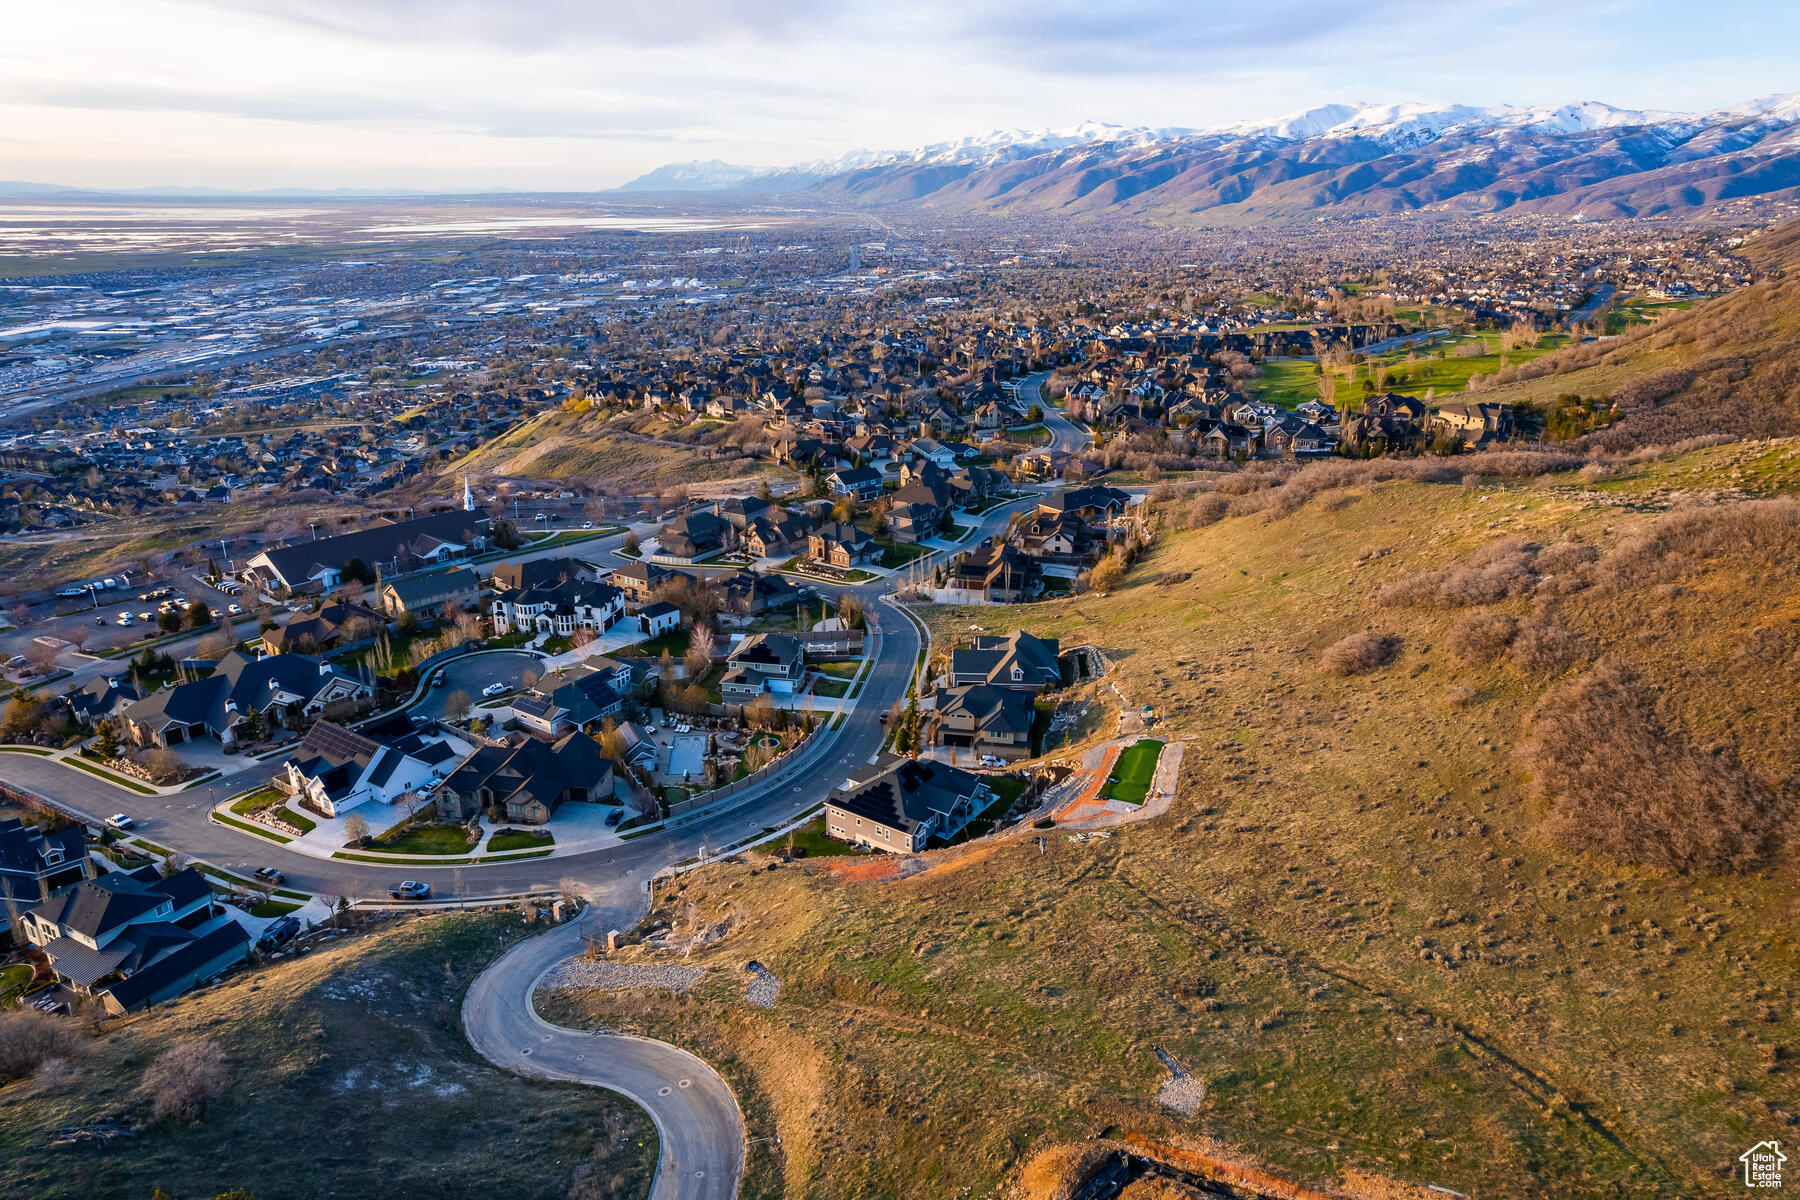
35	863
1018	660
531	780
291	689
763	662
392	546
542	572
984	719
904	805
428	593
135	938
102	698
333	626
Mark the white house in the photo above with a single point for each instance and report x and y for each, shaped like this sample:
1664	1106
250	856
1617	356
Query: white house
334	769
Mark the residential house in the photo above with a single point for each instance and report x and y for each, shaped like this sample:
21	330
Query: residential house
842	545
577	697
429	593
695	536
1018	660
286	689
332	627
863	483
134	939
993	574
558	609
529	781
763	662
542	572
639	580
983	719
35	863
334	769
102	698
905	804
1476	424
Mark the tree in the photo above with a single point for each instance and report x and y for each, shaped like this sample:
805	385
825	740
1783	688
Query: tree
631	542
850	611
907	740
200	614
700	651
456	705
163	765
358	571
356	827
186	1080
169	620
106	740
20	716
43	658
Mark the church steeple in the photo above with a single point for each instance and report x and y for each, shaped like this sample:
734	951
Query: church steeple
468	496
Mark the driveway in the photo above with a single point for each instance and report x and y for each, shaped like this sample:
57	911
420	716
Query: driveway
476	672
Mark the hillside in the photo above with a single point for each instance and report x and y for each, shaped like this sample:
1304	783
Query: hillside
578	448
347	1073
1727	367
1366	925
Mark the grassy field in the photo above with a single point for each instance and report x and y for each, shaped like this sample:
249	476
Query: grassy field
1352	925
1290	381
13	980
1131	775
359	1038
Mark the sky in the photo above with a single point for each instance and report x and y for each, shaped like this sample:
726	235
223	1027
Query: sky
586	94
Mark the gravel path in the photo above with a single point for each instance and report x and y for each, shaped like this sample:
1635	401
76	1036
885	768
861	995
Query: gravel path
763	986
1180	1091
587	973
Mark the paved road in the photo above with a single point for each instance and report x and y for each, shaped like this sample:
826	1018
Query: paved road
701	1128
698	1124
1602	294
1066	436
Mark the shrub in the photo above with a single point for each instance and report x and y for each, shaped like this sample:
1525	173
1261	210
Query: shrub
1480	637
29	1039
1496	572
1541	648
1459	695
1564	558
1621	784
1766	532
186	1079
1358	654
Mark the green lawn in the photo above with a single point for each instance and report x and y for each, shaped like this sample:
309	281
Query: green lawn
811	839
519	839
1131	774
835	689
256	801
13	980
115	780
273	908
427	839
675	642
299	821
1288	382
247	827
900	553
841	670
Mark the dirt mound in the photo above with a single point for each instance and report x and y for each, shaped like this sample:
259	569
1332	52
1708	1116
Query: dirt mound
1059	1172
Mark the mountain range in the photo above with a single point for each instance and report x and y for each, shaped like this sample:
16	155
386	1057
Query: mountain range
1588	158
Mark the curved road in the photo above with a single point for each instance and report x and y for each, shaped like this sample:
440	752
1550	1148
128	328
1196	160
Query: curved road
696	1115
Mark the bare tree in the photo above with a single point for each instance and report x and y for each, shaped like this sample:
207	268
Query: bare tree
456	705
186	1080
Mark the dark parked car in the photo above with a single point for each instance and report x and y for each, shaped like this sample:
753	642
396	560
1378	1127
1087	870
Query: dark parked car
271	875
280	933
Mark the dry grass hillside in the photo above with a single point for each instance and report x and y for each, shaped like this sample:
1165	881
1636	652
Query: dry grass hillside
1387	922
579	448
1729	366
343	1072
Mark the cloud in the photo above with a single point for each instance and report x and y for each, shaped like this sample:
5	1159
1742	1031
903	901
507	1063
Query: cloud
641	123
1189	37
553	24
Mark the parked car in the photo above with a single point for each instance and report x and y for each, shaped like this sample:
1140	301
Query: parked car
99	620
270	874
120	821
145	617
437	681
411	889
234	609
283	931
493	689
615	816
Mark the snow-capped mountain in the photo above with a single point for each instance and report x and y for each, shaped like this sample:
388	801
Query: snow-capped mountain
1587	157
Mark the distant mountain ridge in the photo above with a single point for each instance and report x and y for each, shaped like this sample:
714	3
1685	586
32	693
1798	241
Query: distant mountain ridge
1588	158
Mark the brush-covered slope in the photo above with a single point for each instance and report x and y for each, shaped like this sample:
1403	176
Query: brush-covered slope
1364	925
1727	367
